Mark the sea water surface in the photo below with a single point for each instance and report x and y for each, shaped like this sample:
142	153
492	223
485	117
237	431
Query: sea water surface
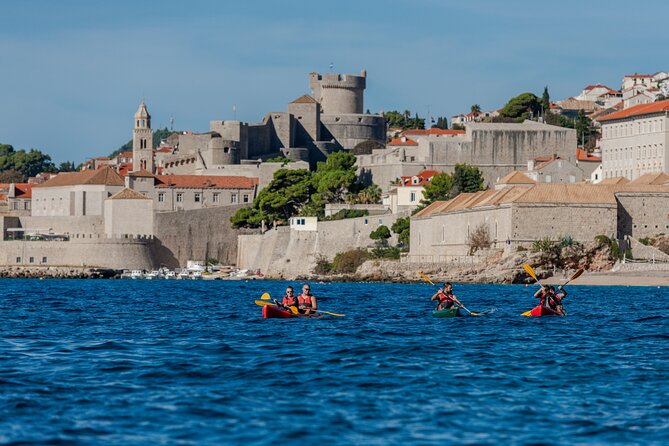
186	362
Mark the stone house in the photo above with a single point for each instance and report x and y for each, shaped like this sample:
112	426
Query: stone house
187	192
635	140
554	170
519	215
75	193
409	192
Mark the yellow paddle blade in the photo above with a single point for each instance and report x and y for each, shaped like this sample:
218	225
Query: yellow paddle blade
530	271
527	313
265	296
330	313
293	309
426	278
263	303
577	274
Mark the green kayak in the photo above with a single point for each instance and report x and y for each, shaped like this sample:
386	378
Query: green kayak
451	312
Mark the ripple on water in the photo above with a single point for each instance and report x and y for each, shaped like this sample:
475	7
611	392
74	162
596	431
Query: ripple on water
120	362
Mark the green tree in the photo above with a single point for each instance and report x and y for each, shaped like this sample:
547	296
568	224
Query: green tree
402	228
381	235
336	176
586	133
438	189
521	107
404	120
158	135
546	101
67	166
11	176
466	178
442	123
476	109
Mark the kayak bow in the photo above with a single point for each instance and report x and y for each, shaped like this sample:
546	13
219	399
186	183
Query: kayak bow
540	310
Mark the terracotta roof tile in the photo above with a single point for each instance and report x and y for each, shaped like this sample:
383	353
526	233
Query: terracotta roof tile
141	174
654	178
613	181
304	99
128	194
402	142
582	155
637	110
105	176
516	177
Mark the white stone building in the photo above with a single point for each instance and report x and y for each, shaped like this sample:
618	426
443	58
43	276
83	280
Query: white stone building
634	140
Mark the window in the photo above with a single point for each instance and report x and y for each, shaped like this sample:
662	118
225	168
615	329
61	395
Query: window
197	197
246	198
43	259
180	197
413	197
366	221
233	198
161	197
31	260
217	197
18	260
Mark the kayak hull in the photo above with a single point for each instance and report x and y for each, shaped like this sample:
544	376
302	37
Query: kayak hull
450	312
540	310
270	311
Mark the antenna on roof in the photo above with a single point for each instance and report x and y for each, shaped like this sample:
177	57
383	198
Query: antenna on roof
171	123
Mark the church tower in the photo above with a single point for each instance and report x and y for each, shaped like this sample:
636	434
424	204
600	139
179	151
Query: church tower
142	140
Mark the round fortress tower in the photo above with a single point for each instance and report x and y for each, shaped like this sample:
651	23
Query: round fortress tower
339	93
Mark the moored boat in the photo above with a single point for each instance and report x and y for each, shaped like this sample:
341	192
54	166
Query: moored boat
449	312
540	310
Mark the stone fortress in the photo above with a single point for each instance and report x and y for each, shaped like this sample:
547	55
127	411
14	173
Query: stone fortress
331	119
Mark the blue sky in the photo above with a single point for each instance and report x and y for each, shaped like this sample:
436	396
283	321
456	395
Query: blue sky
73	72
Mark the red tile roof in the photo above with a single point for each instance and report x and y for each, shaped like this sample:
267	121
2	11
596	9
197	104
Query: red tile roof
164	150
592	87
402	142
424	178
206	181
582	155
434	131
105	176
141	173
124	155
637	110
638	75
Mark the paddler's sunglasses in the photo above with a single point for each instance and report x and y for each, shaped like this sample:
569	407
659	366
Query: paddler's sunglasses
289	292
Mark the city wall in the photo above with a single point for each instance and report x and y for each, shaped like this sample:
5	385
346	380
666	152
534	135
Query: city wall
281	252
197	234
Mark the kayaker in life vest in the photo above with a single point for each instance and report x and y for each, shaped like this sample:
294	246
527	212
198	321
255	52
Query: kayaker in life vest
559	296
307	300
445	297
289	300
543	294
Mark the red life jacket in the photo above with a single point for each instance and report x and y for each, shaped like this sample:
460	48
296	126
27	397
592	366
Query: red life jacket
304	300
289	301
446	298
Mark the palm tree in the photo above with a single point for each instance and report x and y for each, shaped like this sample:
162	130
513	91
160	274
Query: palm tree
476	109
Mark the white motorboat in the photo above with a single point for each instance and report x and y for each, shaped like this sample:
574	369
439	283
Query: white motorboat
136	274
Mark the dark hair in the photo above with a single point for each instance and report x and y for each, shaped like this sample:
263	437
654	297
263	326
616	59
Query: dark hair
448	284
289	287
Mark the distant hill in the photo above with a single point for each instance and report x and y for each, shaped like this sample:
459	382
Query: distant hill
158	135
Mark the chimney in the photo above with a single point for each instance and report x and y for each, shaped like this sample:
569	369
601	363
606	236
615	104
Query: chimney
530	165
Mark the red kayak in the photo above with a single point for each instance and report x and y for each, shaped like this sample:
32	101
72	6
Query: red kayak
540	310
270	311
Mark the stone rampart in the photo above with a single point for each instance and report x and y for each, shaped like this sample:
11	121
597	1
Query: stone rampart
196	234
281	252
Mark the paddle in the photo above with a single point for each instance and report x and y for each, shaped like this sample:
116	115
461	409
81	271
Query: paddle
577	274
265	296
463	307
530	271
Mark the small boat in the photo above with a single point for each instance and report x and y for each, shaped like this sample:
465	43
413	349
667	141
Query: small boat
170	275
270	311
136	274
196	275
540	310
183	275
152	275
449	312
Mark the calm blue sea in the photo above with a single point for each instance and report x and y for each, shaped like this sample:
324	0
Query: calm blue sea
179	362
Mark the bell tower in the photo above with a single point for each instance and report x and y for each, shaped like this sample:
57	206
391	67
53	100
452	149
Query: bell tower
142	140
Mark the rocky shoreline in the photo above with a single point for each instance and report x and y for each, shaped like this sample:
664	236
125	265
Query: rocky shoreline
57	272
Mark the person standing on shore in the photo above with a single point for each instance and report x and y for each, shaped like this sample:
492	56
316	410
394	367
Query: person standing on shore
307	300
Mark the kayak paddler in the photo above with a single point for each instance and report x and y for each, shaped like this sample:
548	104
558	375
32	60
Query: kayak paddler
289	300
445	297
559	296
306	300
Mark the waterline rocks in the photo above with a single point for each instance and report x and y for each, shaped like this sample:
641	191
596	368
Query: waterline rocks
57	272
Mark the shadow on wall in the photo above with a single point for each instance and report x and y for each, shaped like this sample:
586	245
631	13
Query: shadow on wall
163	256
